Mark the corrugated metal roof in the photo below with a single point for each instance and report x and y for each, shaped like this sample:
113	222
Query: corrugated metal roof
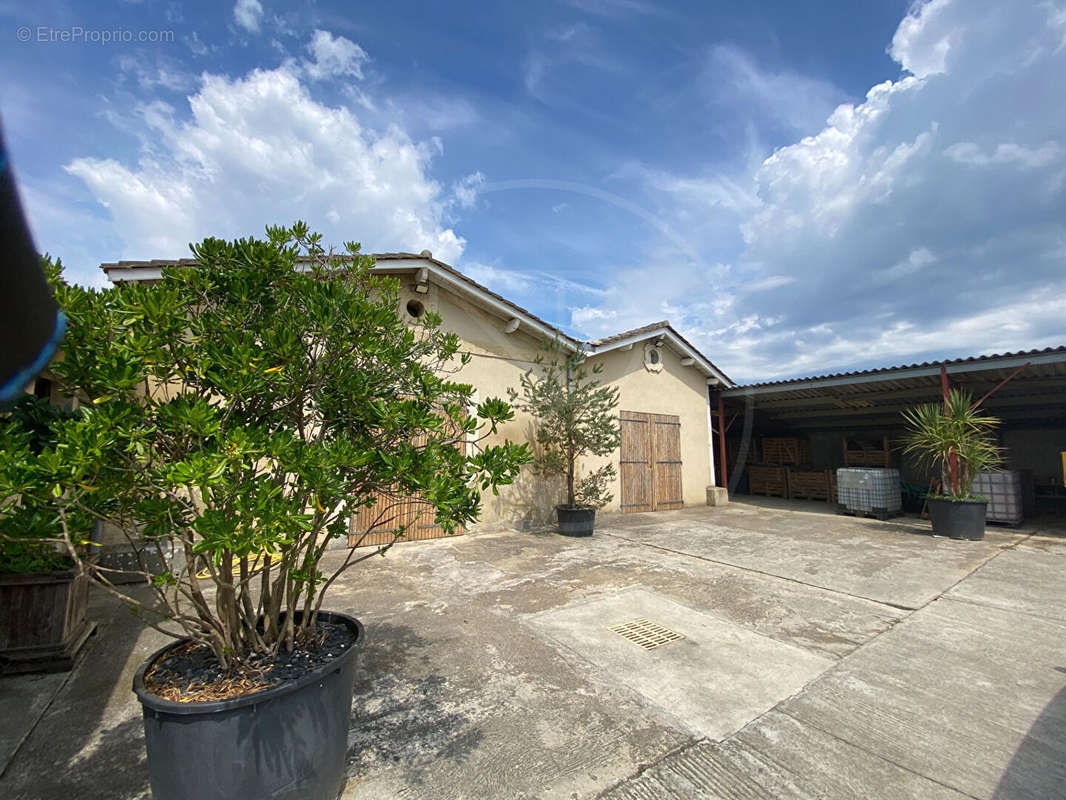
887	370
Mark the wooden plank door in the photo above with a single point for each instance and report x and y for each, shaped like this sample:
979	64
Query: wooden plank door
650	461
635	462
666	437
389	513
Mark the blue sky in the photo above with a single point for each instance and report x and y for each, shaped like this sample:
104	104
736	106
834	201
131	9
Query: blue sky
799	188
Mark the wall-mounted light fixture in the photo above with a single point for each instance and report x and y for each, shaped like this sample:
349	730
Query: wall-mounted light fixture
422	288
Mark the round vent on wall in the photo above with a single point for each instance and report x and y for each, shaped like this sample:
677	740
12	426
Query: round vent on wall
653	357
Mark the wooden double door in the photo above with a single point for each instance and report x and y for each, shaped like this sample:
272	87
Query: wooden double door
650	463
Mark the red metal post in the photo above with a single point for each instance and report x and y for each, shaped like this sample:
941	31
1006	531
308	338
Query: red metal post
999	385
953	464
721	439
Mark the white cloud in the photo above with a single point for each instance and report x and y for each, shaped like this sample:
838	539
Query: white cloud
258	150
248	14
466	190
927	220
797	102
1005	153
334	56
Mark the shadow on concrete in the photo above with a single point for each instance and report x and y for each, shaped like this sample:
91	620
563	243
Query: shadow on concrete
90	742
403	713
1038	767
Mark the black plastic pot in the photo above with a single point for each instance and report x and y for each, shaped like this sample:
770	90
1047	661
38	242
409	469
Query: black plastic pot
285	743
958	519
576	520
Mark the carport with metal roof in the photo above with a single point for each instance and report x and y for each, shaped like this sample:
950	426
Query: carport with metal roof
1026	390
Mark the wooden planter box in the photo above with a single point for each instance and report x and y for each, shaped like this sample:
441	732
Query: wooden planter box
43	621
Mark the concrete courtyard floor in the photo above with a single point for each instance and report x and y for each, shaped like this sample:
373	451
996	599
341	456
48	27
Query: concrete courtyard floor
818	656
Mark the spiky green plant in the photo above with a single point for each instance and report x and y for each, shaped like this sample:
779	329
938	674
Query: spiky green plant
955	441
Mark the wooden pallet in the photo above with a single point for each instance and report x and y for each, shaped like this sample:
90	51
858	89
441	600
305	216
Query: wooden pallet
810	484
882	514
867	457
785	450
769	480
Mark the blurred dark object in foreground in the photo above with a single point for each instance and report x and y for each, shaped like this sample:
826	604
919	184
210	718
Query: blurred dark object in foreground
30	323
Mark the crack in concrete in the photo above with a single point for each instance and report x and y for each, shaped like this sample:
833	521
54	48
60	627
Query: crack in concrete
839	665
886	603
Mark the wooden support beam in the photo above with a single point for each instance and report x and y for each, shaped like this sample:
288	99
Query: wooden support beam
721	439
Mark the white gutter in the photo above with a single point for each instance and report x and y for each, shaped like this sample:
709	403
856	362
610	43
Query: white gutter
449	281
440	277
668	334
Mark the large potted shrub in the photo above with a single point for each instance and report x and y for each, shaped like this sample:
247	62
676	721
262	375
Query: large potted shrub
235	415
43	598
575	417
955	442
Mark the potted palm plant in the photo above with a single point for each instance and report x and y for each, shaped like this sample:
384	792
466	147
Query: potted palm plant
234	416
575	417
956	442
43	598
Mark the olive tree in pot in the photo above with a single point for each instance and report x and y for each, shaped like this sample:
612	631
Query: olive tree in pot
575	417
239	412
955	441
43	598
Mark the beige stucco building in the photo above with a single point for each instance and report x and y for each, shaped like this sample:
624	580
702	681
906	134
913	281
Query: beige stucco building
666	459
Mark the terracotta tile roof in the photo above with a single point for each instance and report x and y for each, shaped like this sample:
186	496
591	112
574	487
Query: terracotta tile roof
635	332
159	263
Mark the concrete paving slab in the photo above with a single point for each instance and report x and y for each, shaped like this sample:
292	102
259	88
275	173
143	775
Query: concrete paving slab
89	744
714	681
531	573
1030	578
897	563
454	703
970	696
23	698
779	758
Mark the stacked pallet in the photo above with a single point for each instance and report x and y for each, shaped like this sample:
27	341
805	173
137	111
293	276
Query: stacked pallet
785	450
867	456
810	484
768	479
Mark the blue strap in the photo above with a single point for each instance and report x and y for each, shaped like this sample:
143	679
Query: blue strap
11	388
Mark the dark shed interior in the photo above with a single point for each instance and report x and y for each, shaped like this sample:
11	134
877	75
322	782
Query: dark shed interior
856	417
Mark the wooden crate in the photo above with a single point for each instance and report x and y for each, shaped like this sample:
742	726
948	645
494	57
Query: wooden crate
810	484
770	480
867	457
785	450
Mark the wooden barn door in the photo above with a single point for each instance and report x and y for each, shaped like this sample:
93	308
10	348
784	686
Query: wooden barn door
650	461
389	513
635	461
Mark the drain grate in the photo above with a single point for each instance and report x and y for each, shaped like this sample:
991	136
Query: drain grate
646	633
